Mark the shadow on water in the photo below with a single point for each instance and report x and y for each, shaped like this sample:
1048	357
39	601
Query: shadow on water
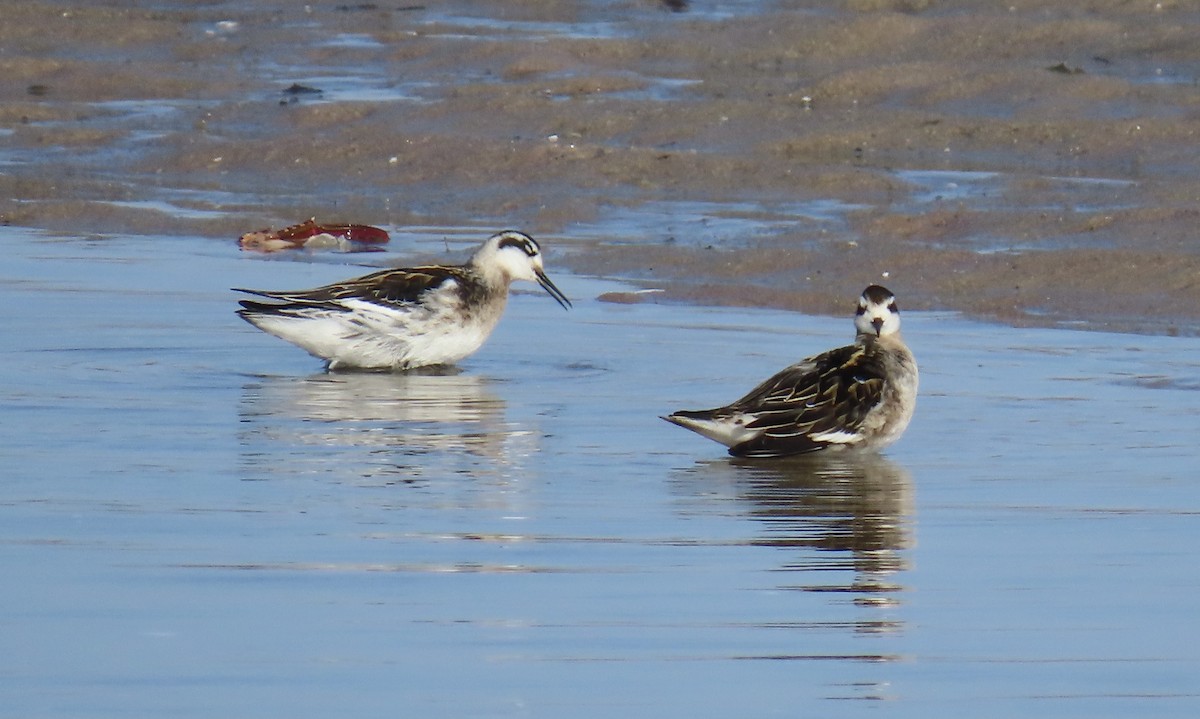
856	511
368	428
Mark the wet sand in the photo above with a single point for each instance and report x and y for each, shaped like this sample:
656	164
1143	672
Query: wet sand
1029	164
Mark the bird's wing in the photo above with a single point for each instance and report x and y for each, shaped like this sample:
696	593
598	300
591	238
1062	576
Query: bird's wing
396	288
819	401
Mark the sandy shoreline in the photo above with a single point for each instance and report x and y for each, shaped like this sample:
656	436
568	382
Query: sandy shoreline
1030	165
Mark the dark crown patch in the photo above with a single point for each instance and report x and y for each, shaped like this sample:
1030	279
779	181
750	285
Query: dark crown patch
525	244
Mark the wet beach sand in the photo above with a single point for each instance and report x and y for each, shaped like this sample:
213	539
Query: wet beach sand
1013	161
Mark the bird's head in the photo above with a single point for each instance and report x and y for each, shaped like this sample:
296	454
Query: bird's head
877	314
517	256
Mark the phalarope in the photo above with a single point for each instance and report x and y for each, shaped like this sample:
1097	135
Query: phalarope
861	395
404	318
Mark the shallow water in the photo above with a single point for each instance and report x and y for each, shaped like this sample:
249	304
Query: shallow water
196	521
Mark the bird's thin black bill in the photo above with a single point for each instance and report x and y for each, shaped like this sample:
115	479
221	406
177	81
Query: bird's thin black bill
553	291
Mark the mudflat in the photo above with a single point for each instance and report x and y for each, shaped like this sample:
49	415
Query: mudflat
1032	164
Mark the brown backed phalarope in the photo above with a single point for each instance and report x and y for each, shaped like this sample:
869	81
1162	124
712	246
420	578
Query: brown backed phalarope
861	395
401	319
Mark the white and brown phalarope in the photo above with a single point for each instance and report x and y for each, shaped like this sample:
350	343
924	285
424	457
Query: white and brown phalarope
401	319
861	395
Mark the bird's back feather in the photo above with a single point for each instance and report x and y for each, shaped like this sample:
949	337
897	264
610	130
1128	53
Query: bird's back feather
394	288
815	403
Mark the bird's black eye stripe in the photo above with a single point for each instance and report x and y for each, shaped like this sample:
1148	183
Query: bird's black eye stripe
892	307
525	244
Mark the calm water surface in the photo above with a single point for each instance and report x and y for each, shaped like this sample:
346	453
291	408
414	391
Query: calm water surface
196	521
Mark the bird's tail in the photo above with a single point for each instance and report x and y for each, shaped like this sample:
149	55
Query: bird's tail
722	428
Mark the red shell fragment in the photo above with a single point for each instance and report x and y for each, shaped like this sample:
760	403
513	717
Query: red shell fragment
310	235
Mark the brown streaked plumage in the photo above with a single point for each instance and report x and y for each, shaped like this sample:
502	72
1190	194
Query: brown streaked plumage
862	395
404	318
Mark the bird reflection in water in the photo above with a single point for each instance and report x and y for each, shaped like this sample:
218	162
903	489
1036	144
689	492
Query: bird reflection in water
854	510
372	427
